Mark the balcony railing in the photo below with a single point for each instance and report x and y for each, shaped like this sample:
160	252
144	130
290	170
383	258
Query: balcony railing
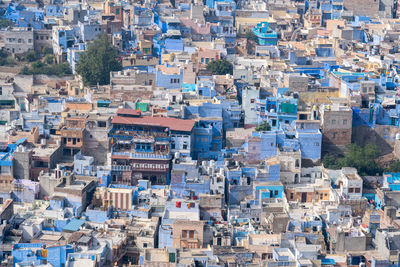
150	156
143	169
121	168
134	155
139	134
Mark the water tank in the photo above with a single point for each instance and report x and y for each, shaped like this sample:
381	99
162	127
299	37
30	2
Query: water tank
398	136
177	155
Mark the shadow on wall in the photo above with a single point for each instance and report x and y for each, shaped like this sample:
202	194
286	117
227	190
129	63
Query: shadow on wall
382	136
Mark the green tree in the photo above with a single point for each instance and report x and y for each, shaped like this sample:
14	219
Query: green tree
39	67
47	50
250	36
4	23
97	62
25	71
31	56
5	59
361	158
394	166
330	162
49	59
264	126
220	67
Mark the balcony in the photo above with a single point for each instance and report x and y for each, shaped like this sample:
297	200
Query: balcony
190	243
135	155
139	135
160	156
121	168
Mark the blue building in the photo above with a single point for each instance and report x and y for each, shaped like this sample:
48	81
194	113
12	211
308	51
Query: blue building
183	185
23	17
224	8
205	86
279	111
169	77
330	10
7	158
73	55
391	180
265	35
54	11
37	254
169	42
208	131
265	145
268	190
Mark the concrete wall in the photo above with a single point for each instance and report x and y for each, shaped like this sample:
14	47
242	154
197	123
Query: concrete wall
336	127
362	7
17	41
22	165
350	243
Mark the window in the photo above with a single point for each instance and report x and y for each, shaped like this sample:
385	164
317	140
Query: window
185	146
276	192
316	144
191	234
333	121
357	190
344	122
252	100
172	145
291	195
101	124
1	90
184	234
321	196
334	136
351	190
